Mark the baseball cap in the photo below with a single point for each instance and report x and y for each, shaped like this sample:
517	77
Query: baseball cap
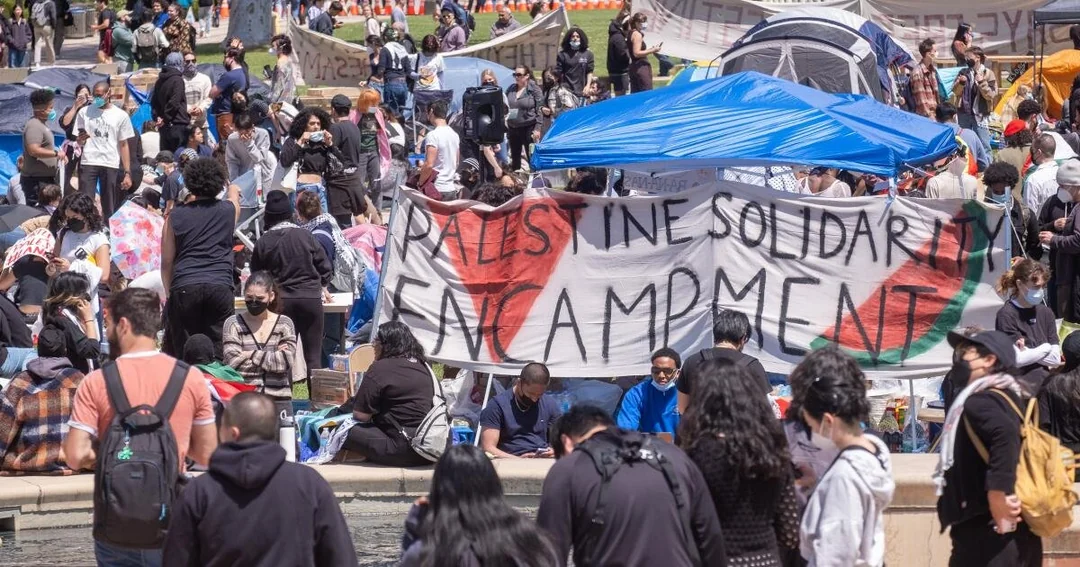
999	344
340	101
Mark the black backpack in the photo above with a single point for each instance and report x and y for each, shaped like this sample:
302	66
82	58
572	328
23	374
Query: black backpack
138	469
609	451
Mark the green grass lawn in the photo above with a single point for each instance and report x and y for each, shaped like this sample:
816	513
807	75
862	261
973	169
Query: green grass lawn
593	22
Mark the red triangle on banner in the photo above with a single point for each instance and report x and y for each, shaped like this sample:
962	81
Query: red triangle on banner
504	258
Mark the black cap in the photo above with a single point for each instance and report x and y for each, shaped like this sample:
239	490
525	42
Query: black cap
164	156
340	101
278	204
999	344
1070	351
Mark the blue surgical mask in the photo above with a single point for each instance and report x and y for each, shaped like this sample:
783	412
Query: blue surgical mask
99	102
575	44
663	387
316	137
52	115
1035	296
272	51
999	199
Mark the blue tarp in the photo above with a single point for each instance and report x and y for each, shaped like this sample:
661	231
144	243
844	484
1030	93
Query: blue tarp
63	78
742	119
14	112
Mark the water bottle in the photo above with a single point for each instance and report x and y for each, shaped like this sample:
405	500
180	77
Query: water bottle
244	275
287	436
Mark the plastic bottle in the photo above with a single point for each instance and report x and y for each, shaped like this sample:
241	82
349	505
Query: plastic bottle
245	274
287	436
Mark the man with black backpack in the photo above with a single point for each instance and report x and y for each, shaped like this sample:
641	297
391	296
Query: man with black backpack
731	331
621	497
148	412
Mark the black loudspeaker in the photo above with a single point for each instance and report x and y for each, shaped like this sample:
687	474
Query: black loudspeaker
485	115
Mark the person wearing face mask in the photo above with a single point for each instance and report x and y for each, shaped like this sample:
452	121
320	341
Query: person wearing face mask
1053	218
1028	322
81	244
732	435
260	343
843	522
515	423
976	500
1041	181
575	63
1065	245
558	98
123	42
640	68
40	155
999	179
973	95
168	104
652	405
283	80
954	182
104	133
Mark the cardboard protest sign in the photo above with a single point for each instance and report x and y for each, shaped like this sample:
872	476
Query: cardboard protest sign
667	182
702	30
326	61
592	286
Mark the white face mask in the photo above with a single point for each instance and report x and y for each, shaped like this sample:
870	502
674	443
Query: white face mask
664	387
1064	196
823	439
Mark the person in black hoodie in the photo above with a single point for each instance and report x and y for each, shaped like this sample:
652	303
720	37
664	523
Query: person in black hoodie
1052	218
976	495
16	344
618	56
168	104
1059	398
299	522
300	267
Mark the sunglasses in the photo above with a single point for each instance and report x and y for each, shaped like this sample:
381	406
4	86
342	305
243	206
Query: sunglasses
520	74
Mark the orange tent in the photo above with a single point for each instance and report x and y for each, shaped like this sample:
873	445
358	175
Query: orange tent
1057	72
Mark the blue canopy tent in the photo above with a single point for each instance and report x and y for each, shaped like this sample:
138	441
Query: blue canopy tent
740	120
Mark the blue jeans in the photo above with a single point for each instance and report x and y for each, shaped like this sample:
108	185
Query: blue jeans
968	121
8	239
16	361
396	95
318	188
112	556
17	58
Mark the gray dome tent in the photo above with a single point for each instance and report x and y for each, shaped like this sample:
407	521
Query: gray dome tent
819	53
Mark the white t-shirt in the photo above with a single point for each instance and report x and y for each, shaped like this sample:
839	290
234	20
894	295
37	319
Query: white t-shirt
374	27
78	248
429	72
107	128
446	140
1041	185
151	145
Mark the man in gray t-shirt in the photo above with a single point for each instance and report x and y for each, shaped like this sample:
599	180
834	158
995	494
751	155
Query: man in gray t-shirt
40	155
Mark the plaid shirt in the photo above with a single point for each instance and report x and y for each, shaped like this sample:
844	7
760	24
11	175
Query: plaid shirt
33	422
924	87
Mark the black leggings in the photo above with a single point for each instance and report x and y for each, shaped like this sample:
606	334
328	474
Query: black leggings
195	309
307	317
382	447
519	139
975	543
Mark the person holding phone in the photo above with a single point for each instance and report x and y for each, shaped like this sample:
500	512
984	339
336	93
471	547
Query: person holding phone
640	67
515	423
67	309
81	243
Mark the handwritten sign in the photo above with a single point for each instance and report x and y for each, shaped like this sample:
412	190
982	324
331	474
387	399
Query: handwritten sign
592	285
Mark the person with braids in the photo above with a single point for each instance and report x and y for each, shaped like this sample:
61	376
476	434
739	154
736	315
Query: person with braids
1027	320
843	523
730	432
197	259
81	243
465	520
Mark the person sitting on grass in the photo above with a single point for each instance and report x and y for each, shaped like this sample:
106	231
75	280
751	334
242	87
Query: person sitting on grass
515	422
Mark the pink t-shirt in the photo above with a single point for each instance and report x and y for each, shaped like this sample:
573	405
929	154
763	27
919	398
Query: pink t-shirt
144	375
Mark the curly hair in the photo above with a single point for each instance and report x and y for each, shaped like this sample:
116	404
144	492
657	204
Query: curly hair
493	194
1001	172
1028	108
81	204
1020	139
728	405
205	177
299	124
581	34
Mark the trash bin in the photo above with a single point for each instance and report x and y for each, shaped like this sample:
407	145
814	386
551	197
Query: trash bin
79	27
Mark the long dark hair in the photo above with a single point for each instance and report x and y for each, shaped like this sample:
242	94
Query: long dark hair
397	341
81	204
581	34
728	406
66	289
469	515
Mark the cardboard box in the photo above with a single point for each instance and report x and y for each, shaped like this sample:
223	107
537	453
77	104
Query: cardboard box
331	388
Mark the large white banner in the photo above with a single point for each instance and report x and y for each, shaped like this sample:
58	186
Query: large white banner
704	29
592	286
326	61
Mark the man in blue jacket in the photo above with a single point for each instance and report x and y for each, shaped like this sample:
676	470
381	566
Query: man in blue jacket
652	405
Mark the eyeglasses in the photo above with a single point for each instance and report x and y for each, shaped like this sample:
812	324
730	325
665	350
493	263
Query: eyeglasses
663	371
520	75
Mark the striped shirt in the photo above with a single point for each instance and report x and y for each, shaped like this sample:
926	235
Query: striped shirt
268	365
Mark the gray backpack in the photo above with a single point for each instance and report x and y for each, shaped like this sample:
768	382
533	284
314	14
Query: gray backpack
433	436
138	470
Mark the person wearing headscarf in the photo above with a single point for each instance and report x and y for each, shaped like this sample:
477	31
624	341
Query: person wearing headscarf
168	104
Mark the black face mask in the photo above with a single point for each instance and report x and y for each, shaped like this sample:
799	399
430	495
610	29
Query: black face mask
76	225
971	63
255	307
961	370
